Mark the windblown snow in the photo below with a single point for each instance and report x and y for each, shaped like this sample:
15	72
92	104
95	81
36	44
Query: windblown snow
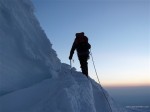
32	78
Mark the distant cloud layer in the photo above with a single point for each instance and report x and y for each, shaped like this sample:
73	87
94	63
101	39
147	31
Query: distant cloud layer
131	96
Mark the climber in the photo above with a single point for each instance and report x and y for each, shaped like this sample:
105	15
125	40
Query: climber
82	46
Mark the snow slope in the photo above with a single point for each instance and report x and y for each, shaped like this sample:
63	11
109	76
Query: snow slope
67	93
32	78
26	54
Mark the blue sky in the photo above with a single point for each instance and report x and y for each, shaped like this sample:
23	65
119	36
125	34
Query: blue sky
118	31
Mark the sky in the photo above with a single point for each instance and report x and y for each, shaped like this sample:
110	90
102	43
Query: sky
118	31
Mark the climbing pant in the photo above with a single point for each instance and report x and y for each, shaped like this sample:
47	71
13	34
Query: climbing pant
84	64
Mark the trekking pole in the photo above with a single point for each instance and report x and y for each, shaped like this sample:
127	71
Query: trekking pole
70	66
100	83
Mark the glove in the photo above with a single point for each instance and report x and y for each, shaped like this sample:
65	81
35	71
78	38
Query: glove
70	58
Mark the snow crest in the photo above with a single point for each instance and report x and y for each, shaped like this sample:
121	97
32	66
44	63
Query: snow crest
32	78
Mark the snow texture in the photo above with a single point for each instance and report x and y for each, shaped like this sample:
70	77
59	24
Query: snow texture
32	78
26	54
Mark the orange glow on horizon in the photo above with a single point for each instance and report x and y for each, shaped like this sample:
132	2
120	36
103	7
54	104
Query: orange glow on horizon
127	84
133	83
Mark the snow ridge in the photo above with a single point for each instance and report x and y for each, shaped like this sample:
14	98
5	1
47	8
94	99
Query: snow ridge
66	93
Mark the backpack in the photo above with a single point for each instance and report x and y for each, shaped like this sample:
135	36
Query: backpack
82	44
80	38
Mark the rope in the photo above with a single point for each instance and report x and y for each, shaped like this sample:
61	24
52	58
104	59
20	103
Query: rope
100	83
94	66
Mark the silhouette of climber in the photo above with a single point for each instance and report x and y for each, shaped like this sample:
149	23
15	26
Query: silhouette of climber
82	47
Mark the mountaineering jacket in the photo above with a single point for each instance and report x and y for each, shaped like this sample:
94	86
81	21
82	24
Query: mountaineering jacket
82	48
